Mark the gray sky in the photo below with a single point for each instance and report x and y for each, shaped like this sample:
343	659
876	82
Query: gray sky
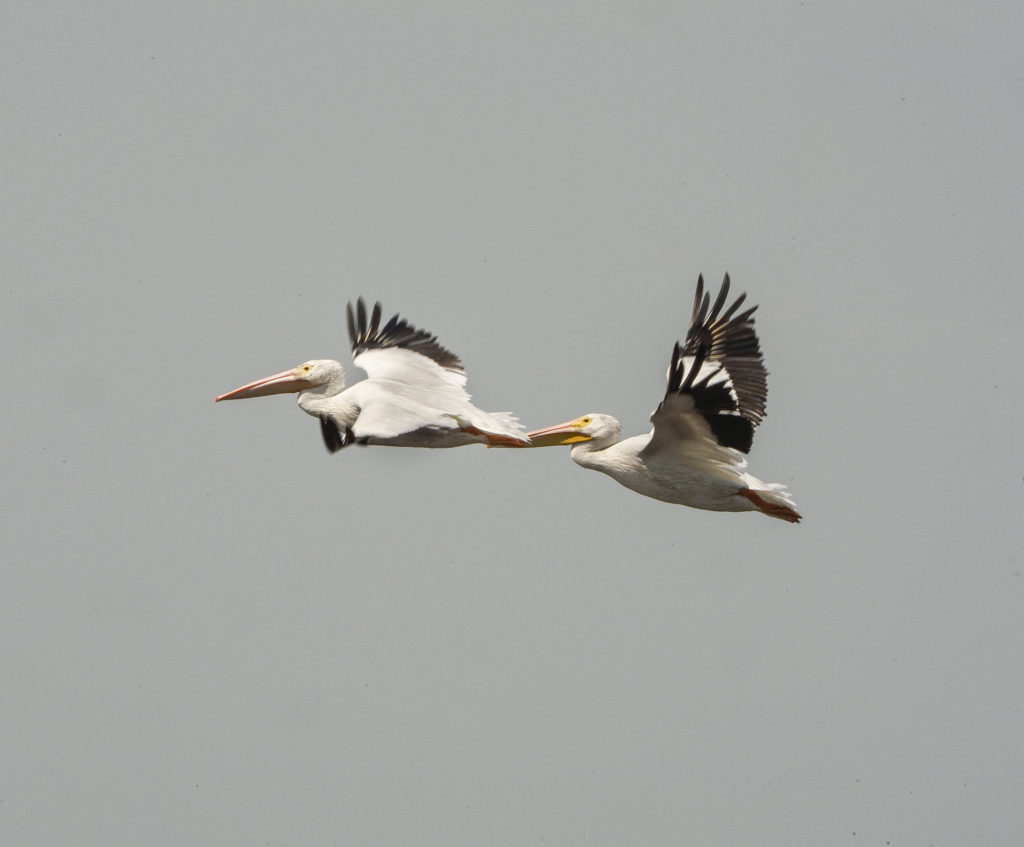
212	632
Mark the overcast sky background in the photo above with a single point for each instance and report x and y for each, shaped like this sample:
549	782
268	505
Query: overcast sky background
212	632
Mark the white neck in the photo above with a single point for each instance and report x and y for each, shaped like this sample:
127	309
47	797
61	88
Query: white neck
318	400
589	453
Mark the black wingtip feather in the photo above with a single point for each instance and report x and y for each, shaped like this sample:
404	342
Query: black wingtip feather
727	315
723	292
728	341
701	300
687	375
360	313
397	332
351	324
334	438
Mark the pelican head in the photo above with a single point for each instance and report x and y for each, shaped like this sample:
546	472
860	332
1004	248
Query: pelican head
316	373
593	427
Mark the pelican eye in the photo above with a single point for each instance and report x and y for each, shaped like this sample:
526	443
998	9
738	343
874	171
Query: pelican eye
583	421
307	368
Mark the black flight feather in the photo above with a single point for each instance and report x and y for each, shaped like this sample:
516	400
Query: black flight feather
334	437
397	332
730	340
726	341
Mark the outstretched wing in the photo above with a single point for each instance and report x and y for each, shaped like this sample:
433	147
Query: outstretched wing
415	384
717	382
413	381
400	352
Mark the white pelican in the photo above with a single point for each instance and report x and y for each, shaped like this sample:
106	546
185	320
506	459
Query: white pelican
694	454
414	395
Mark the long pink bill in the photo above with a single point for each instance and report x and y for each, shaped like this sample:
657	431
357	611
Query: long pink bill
287	382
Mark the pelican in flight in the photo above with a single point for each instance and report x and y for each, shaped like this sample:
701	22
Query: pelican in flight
414	394
694	454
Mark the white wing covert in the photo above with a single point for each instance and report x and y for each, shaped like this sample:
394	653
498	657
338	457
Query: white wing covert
409	354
